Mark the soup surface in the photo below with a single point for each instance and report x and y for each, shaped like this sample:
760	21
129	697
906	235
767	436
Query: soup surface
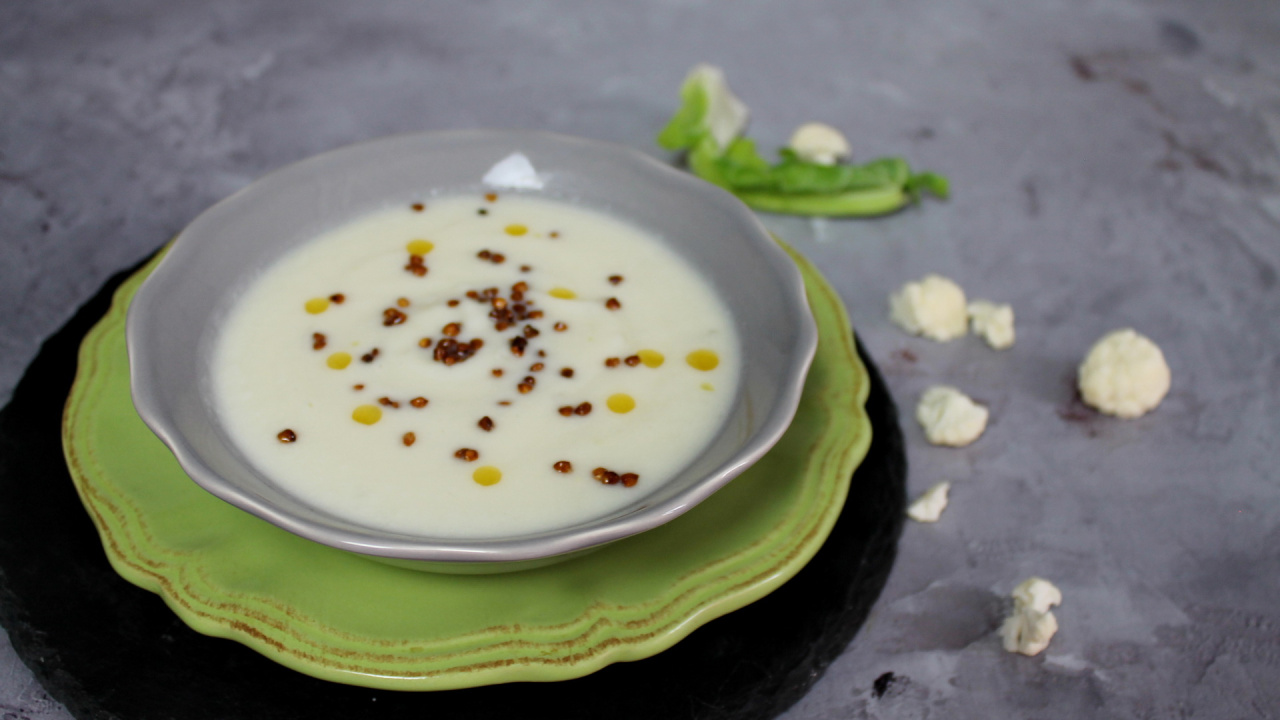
476	366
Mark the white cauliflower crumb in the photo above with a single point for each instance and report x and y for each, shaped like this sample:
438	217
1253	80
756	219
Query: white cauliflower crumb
933	307
1124	374
819	143
928	507
513	172
949	417
993	322
1031	625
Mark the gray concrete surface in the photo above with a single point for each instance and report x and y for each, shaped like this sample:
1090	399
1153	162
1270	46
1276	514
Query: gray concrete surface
1115	163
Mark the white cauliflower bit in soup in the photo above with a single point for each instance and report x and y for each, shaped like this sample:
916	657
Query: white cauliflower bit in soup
515	172
1124	374
949	417
933	307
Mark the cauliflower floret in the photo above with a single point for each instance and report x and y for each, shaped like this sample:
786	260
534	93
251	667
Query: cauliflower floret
993	322
949	417
819	143
513	172
1031	625
933	307
928	507
726	115
1124	374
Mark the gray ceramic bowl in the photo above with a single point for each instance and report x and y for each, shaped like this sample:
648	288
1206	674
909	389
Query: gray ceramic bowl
175	317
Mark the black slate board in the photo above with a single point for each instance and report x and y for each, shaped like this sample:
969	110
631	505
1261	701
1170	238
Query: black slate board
107	649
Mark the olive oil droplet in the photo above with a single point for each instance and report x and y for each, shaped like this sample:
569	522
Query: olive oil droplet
487	475
621	403
703	360
338	360
315	306
367	414
420	247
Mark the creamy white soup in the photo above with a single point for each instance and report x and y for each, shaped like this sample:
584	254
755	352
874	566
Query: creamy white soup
476	366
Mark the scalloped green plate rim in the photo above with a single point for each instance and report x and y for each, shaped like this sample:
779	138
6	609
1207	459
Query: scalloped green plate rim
345	618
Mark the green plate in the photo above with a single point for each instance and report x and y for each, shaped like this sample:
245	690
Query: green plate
341	617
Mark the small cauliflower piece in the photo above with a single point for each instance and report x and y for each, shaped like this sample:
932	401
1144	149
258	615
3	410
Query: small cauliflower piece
726	115
819	143
1124	374
933	307
992	322
1031	625
949	417
513	172
928	507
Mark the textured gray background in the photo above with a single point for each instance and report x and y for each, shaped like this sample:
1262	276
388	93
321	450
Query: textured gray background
1115	163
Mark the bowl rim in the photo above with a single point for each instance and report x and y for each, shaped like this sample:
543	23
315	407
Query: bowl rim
547	544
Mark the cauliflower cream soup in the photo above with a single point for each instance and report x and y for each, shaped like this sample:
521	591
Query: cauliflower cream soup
476	366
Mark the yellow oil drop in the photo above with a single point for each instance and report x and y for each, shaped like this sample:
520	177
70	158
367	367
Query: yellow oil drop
651	358
338	360
703	360
562	293
708	387
621	403
367	414
487	475
315	306
516	230
420	247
